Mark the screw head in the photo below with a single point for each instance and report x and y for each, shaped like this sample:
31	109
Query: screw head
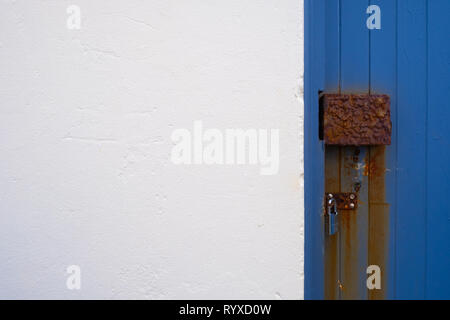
352	196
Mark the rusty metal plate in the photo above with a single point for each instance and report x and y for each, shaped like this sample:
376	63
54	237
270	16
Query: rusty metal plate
344	200
356	119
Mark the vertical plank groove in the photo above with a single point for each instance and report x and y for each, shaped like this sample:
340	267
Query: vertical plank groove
332	172
354	78
383	70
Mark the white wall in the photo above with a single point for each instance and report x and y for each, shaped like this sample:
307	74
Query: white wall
86	179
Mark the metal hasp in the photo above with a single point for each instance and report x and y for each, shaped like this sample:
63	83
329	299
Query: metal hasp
343	200
335	202
356	119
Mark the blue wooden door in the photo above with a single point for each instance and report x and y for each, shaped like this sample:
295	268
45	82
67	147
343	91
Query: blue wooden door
403	222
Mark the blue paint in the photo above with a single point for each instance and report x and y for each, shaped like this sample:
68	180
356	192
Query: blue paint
410	126
437	227
314	175
354	47
409	59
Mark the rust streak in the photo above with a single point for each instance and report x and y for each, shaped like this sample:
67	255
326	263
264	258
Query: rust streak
351	226
378	218
350	254
332	183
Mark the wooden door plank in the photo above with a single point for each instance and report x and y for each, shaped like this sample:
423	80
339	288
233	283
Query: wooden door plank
314	151
438	151
332	254
354	69
382	173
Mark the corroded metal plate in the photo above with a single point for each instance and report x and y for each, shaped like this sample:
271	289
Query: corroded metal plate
356	119
344	200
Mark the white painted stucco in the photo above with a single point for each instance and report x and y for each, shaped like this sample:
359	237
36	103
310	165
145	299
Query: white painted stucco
86	179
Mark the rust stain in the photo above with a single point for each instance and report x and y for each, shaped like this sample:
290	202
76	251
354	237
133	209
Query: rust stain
332	183
341	272
331	267
349	259
362	239
375	167
351	219
378	218
347	170
341	287
356	119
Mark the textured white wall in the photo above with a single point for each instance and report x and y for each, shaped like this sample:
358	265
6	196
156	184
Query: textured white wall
85	174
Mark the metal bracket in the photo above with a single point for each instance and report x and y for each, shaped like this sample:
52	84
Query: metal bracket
355	119
343	200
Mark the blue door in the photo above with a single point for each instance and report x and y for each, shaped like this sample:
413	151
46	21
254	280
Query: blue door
402	224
